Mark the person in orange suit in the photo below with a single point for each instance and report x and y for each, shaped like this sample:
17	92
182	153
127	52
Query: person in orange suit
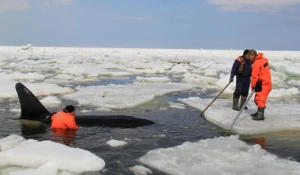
261	82
67	135
64	119
64	125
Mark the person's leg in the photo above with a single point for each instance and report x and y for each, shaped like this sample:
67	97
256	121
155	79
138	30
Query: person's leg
245	93
236	95
260	100
256	113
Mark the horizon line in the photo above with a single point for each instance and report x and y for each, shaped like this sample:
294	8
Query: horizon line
99	47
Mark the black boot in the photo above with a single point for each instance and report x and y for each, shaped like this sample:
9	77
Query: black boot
235	104
260	114
255	114
243	100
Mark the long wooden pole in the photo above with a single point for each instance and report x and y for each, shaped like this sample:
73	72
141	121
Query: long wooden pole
214	99
241	110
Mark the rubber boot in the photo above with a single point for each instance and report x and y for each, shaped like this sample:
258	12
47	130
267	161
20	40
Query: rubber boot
260	114
256	113
243	100
235	104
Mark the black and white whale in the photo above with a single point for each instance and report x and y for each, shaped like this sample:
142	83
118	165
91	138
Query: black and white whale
32	109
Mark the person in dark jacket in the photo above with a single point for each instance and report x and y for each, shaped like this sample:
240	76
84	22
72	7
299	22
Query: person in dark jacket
242	70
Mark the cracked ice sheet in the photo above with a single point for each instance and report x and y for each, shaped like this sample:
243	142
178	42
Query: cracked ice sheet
23	76
7	89
221	114
153	79
222	155
45	157
124	96
91	71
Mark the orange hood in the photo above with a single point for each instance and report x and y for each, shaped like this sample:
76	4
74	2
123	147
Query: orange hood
258	56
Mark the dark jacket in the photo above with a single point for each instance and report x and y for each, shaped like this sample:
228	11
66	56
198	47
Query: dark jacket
245	75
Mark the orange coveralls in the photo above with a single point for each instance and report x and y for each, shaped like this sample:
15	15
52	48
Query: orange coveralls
261	72
63	120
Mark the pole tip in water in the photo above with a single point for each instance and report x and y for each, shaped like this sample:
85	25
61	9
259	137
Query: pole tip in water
227	133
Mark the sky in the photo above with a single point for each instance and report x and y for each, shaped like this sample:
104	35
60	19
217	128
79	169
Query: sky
189	24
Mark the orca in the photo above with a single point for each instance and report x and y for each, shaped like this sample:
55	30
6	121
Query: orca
32	109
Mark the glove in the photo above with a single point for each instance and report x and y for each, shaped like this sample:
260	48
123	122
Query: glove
231	80
258	86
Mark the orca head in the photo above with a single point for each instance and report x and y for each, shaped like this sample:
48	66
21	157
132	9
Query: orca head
31	107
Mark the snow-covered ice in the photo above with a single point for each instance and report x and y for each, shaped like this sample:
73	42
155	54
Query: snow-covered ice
45	157
222	155
162	71
116	143
124	96
278	117
50	72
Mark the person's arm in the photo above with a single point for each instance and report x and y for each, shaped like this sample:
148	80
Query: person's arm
71	123
254	75
234	68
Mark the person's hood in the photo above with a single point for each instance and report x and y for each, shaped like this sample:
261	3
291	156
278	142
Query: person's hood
259	56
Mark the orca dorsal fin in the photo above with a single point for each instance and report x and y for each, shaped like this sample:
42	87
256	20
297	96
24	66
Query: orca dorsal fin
31	107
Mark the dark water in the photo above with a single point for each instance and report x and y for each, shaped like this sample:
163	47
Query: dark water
172	128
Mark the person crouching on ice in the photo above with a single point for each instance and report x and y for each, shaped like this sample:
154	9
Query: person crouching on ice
242	69
64	119
261	82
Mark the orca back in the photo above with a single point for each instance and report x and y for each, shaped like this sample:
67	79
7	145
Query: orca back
31	107
111	121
